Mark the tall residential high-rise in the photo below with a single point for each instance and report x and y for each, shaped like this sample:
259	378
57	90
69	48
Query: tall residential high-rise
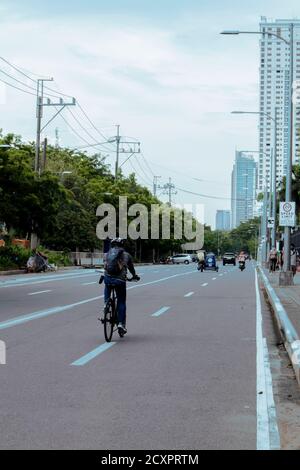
243	188
275	93
223	220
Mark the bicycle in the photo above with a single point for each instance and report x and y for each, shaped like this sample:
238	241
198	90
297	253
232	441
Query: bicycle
110	318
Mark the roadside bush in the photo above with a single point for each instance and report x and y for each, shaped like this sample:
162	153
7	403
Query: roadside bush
58	258
13	257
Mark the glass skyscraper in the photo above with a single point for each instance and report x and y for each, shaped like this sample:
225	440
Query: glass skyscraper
243	189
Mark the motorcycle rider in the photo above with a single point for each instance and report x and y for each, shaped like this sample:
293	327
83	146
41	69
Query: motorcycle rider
201	260
242	260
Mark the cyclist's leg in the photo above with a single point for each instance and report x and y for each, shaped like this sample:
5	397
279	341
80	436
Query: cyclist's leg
107	289
121	301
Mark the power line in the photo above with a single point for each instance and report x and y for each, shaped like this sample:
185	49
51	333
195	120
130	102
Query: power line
83	112
140	176
17	69
80	136
82	127
73	130
141	168
16	87
18	81
185	174
91	122
206	196
147	164
89	134
25	84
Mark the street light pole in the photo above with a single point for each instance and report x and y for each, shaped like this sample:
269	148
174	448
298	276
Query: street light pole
274	172
288	183
287	278
273	182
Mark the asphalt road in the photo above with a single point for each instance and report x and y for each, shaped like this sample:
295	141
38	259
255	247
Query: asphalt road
183	378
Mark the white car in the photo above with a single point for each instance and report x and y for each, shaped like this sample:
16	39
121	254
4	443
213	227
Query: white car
182	259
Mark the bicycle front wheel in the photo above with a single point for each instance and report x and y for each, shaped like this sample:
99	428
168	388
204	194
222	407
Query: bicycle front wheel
109	320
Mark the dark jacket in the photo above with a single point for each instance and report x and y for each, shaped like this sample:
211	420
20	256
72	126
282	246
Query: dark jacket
127	265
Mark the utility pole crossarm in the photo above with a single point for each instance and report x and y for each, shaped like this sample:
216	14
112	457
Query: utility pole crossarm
40	104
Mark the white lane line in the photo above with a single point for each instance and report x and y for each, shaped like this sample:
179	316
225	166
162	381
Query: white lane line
189	294
62	308
214	278
43	281
205	284
92	354
40	292
89	283
161	311
267	436
220	275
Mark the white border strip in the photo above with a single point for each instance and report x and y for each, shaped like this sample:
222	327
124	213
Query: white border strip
267	436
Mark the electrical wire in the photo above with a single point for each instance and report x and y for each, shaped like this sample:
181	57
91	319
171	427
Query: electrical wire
17	69
16	80
141	168
147	164
91	122
16	87
140	176
206	196
81	126
80	136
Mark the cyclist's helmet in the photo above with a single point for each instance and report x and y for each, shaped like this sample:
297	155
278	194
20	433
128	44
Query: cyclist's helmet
117	242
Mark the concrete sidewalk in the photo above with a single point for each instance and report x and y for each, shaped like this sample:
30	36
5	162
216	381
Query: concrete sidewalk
289	297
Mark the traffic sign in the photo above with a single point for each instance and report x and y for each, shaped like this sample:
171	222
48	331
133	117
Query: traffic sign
287	214
271	222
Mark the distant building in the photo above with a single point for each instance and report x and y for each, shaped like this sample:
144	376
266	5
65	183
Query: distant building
223	220
243	189
275	93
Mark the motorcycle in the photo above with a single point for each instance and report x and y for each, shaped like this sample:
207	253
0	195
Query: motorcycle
38	263
242	265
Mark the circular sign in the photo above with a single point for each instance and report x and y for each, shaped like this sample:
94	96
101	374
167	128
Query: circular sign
287	207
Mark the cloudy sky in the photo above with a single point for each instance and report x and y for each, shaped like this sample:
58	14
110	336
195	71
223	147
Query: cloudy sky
160	69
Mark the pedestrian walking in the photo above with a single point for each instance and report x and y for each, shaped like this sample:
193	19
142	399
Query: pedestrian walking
293	259
272	260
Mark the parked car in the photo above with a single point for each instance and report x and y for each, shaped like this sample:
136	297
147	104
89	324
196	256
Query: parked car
229	258
182	259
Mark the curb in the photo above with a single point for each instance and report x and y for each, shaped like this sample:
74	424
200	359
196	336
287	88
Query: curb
287	330
13	272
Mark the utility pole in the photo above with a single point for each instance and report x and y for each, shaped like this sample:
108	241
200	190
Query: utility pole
45	143
117	151
56	138
123	147
40	104
155	184
169	189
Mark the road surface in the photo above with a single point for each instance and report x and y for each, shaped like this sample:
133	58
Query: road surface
185	376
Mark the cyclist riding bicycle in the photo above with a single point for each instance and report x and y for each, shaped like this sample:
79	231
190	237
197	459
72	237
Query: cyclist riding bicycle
116	263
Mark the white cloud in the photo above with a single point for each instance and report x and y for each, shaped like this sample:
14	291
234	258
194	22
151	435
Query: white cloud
176	101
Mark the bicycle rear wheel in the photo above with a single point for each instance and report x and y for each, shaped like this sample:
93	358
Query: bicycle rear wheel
109	320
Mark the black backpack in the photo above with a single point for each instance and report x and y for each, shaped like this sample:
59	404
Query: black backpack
115	261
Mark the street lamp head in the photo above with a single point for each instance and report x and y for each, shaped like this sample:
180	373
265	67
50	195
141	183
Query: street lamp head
230	32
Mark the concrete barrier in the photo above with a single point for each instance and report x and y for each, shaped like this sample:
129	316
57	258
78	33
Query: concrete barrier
287	330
